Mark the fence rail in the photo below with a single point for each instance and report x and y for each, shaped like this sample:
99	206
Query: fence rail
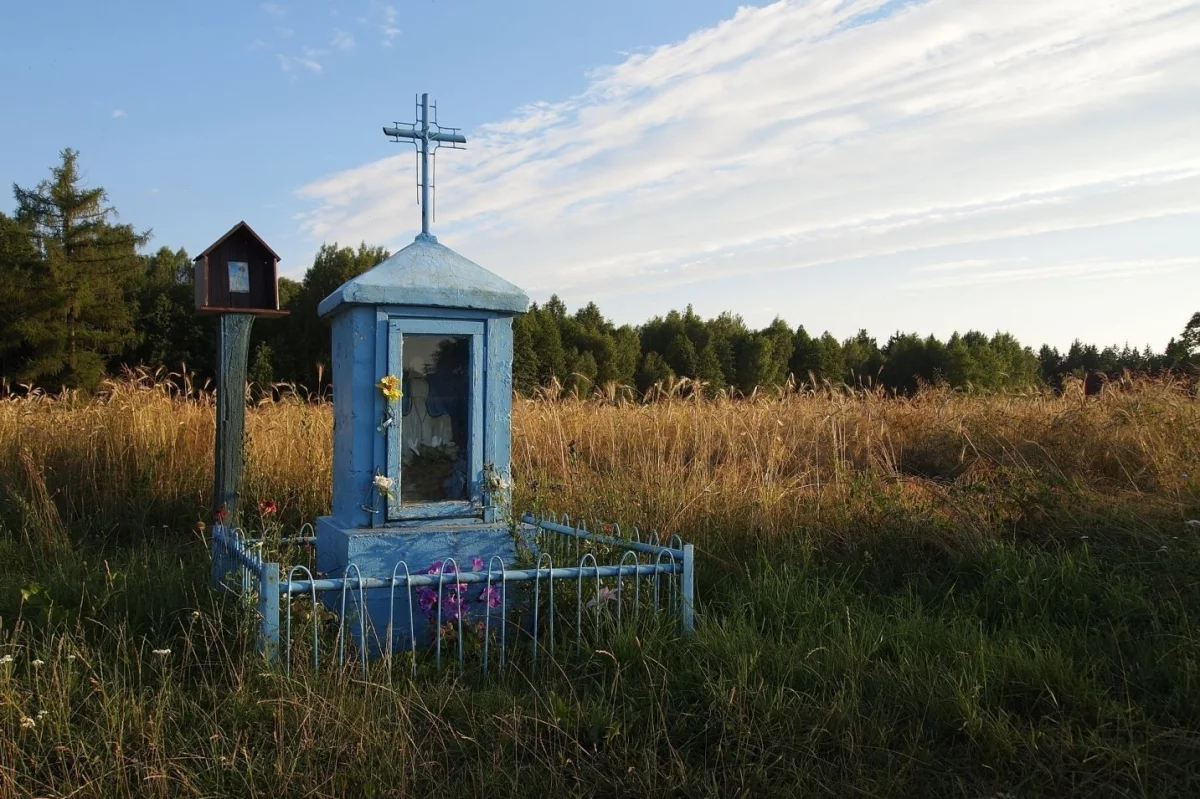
626	563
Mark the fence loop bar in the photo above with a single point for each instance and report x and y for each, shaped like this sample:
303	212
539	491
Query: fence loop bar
392	616
537	586
287	655
579	600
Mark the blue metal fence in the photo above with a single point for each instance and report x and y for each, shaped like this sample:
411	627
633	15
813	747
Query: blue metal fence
605	567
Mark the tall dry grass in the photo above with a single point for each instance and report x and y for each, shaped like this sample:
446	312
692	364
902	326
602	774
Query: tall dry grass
952	468
959	469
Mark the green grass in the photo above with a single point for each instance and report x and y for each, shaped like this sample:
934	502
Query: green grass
1047	670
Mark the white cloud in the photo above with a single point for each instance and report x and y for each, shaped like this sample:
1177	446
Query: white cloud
389	27
118	113
1088	270
306	61
813	134
274	9
342	40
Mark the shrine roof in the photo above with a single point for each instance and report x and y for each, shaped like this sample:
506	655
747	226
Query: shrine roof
427	273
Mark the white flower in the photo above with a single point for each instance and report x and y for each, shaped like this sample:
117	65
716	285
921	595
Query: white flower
6	659
27	723
497	482
37	664
71	657
195	614
383	484
42	714
162	653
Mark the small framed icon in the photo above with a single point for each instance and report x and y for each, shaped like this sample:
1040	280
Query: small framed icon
239	277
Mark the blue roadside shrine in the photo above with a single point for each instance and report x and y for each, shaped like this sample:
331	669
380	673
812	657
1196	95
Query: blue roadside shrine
421	529
423	476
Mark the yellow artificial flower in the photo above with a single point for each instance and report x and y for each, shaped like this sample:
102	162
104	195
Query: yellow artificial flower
390	386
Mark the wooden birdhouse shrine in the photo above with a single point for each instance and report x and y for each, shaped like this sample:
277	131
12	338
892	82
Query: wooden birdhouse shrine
238	273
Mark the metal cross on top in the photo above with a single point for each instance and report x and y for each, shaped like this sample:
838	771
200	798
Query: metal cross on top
427	137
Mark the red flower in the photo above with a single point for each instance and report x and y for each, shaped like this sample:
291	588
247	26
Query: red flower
222	515
267	506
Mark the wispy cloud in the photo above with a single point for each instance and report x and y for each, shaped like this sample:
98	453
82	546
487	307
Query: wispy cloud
274	9
118	113
389	28
1087	270
307	61
838	134
342	40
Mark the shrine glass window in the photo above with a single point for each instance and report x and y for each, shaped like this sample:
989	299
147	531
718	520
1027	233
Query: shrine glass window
433	443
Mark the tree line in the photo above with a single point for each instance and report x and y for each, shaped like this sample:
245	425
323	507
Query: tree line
79	299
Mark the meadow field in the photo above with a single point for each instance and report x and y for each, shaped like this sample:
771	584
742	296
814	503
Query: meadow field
944	595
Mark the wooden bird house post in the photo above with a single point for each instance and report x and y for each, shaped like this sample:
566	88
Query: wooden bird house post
237	279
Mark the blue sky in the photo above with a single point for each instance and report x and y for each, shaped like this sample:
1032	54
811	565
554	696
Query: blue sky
923	166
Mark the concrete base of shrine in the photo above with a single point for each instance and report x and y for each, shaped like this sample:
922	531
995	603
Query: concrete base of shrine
377	550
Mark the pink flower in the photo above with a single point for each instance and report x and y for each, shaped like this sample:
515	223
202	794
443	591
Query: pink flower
492	595
455	606
435	568
604	595
426	598
476	564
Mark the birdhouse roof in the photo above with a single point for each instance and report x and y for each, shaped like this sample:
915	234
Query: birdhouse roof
429	274
233	230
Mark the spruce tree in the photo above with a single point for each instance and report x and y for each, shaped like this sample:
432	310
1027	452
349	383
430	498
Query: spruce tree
805	364
89	275
525	358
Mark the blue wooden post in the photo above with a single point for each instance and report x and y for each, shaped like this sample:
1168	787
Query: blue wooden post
268	611
233	349
688	589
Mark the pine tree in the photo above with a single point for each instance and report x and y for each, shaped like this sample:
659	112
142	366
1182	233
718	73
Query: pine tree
23	283
654	370
805	364
547	343
171	334
831	359
783	347
260	372
709	369
627	351
525	358
90	274
681	356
